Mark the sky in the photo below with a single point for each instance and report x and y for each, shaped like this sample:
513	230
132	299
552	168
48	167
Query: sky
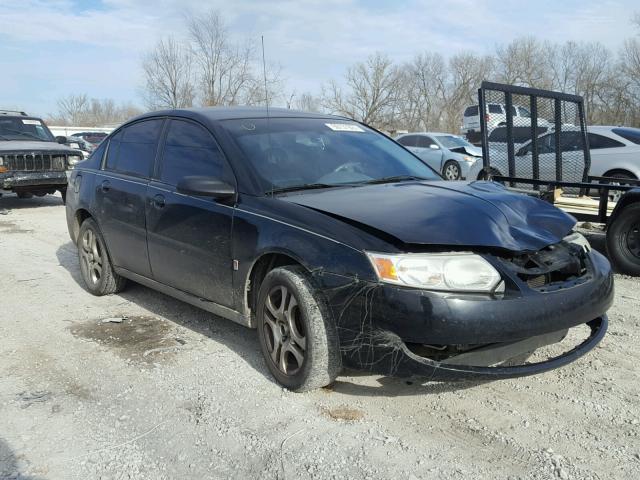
53	48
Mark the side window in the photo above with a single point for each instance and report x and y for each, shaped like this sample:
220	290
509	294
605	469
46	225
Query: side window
514	112
471	111
426	142
136	148
524	112
495	108
409	141
96	156
546	144
570	141
191	150
112	152
600	141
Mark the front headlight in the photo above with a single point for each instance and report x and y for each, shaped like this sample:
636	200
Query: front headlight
467	158
454	272
73	159
578	239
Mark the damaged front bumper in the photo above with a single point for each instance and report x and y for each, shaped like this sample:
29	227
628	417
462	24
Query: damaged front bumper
38	180
384	328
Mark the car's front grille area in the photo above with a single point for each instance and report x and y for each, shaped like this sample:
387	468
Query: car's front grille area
34	162
554	267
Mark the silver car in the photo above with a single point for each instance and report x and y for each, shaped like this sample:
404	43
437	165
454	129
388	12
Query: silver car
448	154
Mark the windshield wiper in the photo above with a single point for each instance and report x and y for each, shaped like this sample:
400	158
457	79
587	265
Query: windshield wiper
394	178
307	186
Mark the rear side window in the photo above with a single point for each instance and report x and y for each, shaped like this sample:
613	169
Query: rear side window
495	108
524	112
631	134
191	150
409	141
600	141
132	151
471	111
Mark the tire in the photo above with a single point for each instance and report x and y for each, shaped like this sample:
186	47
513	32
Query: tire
63	193
451	170
614	195
95	264
24	195
623	240
484	173
298	337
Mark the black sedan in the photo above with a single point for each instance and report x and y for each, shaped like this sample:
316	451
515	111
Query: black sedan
339	245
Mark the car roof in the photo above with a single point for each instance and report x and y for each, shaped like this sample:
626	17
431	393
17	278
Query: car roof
230	113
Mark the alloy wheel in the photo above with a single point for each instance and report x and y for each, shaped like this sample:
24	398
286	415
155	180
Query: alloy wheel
91	257
284	330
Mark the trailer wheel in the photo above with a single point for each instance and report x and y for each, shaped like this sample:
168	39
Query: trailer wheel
623	240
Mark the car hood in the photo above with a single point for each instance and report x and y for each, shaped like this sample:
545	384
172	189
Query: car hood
473	151
33	146
457	214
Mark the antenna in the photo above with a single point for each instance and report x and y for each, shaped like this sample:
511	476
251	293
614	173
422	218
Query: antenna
264	74
266	101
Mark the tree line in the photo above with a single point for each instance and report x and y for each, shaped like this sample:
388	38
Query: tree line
206	67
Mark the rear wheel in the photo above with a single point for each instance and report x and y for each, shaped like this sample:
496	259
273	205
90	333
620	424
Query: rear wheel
297	334
24	195
451	170
623	240
95	265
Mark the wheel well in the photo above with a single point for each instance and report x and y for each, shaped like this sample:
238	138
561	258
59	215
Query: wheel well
80	217
259	271
611	173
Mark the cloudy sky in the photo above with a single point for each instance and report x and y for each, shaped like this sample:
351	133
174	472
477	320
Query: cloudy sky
51	48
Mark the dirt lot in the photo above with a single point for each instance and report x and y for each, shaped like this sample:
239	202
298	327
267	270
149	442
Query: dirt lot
173	393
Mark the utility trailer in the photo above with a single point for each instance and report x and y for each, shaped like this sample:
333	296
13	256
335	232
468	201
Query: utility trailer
554	165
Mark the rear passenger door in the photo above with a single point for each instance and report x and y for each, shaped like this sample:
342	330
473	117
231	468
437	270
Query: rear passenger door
121	188
189	237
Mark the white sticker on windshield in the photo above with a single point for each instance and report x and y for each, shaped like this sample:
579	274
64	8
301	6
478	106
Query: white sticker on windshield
344	127
31	122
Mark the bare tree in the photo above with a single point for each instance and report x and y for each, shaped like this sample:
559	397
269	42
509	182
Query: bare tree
308	102
168	78
82	111
72	108
524	61
227	73
370	92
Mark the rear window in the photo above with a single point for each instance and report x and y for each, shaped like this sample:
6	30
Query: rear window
495	108
471	111
631	134
600	141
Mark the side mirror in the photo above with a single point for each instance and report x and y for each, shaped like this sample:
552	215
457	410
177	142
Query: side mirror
433	146
61	139
205	187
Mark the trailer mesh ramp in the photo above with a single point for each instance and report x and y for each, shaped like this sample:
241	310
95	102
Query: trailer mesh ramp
539	135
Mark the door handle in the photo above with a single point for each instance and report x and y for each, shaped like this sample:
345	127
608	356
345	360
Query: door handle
105	186
158	201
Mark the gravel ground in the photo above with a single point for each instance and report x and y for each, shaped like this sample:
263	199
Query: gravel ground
172	393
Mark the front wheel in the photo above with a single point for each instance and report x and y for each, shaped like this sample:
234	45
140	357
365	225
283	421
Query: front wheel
451	170
623	240
297	335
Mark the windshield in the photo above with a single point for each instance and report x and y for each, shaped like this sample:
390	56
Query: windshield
451	141
13	128
293	152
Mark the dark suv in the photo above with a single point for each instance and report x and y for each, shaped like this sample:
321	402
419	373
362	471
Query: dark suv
337	243
32	161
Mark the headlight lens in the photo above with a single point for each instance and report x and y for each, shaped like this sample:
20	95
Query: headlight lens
467	158
457	272
578	239
73	159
